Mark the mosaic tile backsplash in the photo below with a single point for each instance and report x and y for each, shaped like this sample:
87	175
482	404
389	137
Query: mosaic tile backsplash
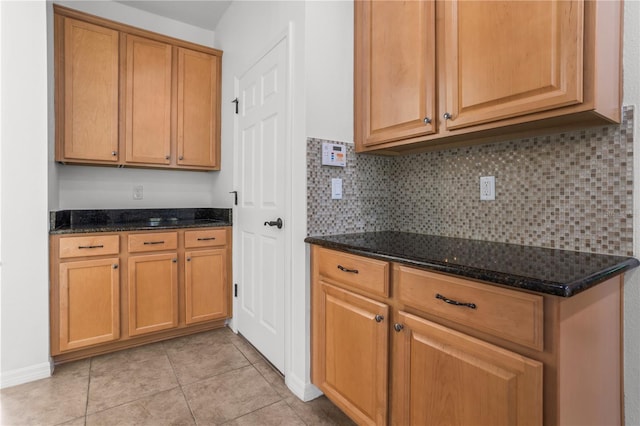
570	190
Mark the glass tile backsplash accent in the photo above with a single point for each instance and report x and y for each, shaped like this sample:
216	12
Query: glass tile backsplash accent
571	190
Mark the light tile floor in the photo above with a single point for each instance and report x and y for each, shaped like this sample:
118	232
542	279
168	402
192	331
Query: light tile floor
210	378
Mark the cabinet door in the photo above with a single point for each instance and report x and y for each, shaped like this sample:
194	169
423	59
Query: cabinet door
153	293
445	377
198	109
88	72
350	350
148	101
89	303
206	287
394	70
509	58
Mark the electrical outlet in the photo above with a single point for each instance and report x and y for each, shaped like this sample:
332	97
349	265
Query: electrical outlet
487	188
138	192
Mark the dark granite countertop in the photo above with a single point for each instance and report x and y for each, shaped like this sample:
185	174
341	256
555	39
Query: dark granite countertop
81	221
557	272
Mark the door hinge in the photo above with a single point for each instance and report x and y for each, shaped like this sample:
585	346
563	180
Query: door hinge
235	290
236	101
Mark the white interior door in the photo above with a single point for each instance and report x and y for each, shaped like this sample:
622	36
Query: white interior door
263	196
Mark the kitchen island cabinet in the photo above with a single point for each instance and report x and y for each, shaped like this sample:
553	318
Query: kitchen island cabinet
431	75
157	103
481	351
172	282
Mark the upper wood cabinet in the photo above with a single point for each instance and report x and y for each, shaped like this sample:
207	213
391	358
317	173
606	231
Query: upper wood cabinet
434	74
86	91
148	101
130	97
198	107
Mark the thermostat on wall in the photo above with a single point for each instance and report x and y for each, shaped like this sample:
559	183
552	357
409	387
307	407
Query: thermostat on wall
334	154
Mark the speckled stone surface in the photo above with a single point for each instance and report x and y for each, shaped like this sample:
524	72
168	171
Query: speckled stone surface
78	221
556	272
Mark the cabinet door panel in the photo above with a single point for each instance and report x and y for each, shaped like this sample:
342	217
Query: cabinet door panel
148	101
350	360
153	293
89	303
198	112
509	58
395	69
90	92
206	286
446	377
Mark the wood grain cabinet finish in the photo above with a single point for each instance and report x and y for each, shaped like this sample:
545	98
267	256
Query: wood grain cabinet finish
89	303
516	358
446	377
87	84
430	75
205	285
121	292
350	335
152	293
129	97
148	101
198	109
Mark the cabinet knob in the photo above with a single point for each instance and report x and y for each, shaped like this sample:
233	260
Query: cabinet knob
398	327
427	120
115	266
446	116
181	158
114	153
166	157
174	260
188	259
379	318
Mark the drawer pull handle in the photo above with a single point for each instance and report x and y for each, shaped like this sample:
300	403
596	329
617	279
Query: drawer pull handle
90	247
206	239
455	302
398	327
351	271
379	318
148	243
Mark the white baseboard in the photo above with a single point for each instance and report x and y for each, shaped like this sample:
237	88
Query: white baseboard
25	375
303	390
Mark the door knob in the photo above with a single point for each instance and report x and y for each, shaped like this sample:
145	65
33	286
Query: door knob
277	222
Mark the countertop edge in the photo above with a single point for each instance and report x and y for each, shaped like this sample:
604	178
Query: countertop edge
493	277
125	228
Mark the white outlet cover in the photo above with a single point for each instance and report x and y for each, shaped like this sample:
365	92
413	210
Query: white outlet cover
487	188
138	192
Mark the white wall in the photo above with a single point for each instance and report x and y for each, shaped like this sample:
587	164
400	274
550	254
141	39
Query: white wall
24	336
631	66
80	187
329	70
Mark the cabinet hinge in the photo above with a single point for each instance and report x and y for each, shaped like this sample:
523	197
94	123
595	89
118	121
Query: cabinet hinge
235	290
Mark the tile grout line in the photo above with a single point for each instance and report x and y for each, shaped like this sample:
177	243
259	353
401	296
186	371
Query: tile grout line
166	353
86	403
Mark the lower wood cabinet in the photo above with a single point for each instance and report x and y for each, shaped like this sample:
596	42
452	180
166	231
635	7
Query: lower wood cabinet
153	293
205	285
407	353
89	303
110	291
351	346
446	377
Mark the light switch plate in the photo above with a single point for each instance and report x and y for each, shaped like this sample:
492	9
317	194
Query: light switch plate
336	189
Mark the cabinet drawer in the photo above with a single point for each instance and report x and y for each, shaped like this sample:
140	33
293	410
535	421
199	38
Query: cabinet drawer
360	272
155	241
89	245
508	314
205	238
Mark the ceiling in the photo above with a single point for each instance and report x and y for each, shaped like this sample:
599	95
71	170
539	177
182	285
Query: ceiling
200	13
